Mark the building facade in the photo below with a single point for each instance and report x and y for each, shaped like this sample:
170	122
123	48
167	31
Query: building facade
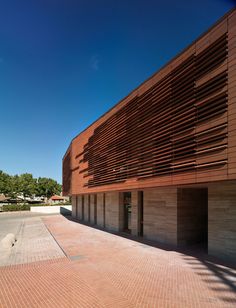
162	162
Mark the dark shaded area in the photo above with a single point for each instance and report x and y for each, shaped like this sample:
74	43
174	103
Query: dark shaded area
192	216
64	211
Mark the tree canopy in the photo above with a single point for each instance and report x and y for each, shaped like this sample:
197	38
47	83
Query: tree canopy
47	187
27	185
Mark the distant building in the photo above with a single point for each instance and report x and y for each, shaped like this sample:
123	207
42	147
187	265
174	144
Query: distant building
57	199
162	162
3	198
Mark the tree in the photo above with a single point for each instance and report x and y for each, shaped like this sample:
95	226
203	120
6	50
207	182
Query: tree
47	187
5	183
15	186
27	185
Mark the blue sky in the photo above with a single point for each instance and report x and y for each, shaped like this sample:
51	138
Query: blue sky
64	63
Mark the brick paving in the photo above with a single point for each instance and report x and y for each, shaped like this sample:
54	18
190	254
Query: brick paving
104	270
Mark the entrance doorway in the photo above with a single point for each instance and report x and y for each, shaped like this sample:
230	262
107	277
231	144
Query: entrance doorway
192	217
140	213
127	211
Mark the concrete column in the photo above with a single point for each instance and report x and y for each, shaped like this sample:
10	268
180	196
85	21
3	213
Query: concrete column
92	209
79	207
100	210
160	215
73	201
120	200
112	212
222	220
134	213
86	208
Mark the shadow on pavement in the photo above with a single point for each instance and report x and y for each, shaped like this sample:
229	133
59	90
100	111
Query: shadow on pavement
64	211
219	274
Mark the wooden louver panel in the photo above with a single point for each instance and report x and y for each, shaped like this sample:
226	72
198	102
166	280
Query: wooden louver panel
165	130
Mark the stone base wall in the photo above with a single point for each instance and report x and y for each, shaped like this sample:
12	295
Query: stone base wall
86	208
176	216
59	209
134	213
160	215
113	217
100	210
80	207
222	220
92	209
74	206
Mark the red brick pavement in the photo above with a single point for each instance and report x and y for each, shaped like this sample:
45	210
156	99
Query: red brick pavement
105	270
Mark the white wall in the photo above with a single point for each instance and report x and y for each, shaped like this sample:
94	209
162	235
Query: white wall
51	209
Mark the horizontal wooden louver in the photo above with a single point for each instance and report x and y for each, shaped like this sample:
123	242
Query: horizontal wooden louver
212	107
211	57
212	86
162	132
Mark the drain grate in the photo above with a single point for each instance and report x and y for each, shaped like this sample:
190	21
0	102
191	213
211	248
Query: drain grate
75	258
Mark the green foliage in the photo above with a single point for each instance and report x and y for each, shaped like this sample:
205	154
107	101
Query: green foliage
5	183
27	185
47	187
15	186
26	207
15	207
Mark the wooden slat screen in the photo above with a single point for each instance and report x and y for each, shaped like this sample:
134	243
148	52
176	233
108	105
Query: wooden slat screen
165	130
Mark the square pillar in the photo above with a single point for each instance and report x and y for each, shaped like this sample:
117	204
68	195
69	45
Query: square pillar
160	215
80	207
222	220
93	209
112	211
86	208
74	206
134	213
100	210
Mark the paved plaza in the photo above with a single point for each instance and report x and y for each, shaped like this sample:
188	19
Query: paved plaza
34	241
57	262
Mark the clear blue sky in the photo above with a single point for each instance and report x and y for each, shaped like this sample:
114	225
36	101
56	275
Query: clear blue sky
63	63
